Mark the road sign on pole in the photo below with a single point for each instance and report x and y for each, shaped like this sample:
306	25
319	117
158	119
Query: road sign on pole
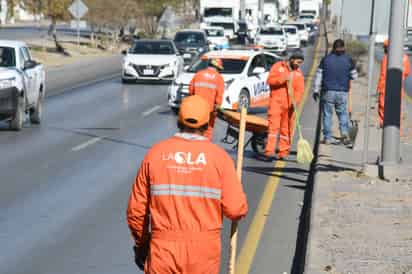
78	9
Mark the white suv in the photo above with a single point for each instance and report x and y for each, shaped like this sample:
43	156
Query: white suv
302	31
272	38
293	39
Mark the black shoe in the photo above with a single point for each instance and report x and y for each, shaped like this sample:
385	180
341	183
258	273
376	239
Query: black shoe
346	140
265	158
327	142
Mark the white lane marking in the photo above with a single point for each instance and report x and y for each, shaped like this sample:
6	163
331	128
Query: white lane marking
150	111
88	143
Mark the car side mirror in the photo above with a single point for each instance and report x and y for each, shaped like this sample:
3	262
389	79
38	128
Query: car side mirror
259	70
30	64
124	52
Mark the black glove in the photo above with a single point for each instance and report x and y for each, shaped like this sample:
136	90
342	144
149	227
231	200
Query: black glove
315	96
139	257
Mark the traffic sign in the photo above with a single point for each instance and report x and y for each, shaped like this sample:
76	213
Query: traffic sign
78	9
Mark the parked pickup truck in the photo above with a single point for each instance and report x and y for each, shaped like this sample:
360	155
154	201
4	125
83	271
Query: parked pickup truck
22	85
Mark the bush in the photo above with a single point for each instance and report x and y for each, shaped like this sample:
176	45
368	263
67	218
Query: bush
356	48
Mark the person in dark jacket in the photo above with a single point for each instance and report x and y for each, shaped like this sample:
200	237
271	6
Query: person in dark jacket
333	77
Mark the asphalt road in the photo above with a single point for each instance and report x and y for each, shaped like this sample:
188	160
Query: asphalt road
65	184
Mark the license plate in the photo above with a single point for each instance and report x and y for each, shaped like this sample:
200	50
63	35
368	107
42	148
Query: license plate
148	72
187	55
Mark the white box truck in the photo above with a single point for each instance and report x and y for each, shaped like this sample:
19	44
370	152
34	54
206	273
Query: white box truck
309	7
221	13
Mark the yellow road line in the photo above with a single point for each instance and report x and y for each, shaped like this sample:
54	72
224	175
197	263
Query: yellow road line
409	99
249	248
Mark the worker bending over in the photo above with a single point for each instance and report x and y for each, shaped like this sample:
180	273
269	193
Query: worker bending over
209	84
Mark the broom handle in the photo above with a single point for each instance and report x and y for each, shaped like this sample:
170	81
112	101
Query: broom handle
239	164
297	115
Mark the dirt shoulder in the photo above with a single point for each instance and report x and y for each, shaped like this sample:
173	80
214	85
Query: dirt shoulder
44	51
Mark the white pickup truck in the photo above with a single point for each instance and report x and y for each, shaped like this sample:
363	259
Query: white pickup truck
22	85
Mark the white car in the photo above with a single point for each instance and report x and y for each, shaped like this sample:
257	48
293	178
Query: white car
228	24
272	38
245	73
216	37
302	30
152	60
293	39
22	85
306	18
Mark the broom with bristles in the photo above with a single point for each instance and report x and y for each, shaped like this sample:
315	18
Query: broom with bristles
304	150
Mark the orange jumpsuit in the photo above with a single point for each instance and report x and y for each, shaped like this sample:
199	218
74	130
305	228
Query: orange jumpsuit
209	84
186	184
382	83
281	115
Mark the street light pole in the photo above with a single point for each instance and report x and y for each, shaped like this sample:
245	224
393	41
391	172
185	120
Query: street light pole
391	124
372	35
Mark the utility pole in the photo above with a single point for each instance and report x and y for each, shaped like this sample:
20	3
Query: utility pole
391	124
242	9
260	12
372	35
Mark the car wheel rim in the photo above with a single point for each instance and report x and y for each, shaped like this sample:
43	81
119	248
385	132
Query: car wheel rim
244	101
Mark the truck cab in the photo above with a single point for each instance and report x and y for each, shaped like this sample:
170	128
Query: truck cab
22	85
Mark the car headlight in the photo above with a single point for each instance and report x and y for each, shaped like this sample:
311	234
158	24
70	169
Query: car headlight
200	50
8	83
229	83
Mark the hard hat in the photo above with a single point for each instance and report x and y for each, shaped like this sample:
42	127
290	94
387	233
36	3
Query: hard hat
217	62
386	43
194	111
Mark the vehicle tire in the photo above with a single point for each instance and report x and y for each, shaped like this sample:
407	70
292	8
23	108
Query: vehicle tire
175	110
18	120
126	81
258	144
244	99
37	112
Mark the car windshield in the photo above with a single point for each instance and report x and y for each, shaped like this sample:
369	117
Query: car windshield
230	66
291	30
230	26
307	16
310	12
189	38
7	57
209	12
153	47
271	31
215	32
299	26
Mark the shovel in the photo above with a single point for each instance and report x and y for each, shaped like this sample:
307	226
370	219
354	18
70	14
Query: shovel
304	150
353	124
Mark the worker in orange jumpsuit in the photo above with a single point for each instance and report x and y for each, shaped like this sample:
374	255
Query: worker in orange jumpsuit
281	113
209	84
184	187
382	80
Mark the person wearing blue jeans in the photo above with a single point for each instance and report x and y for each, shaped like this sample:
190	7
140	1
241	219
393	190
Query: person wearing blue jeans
339	100
333	77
